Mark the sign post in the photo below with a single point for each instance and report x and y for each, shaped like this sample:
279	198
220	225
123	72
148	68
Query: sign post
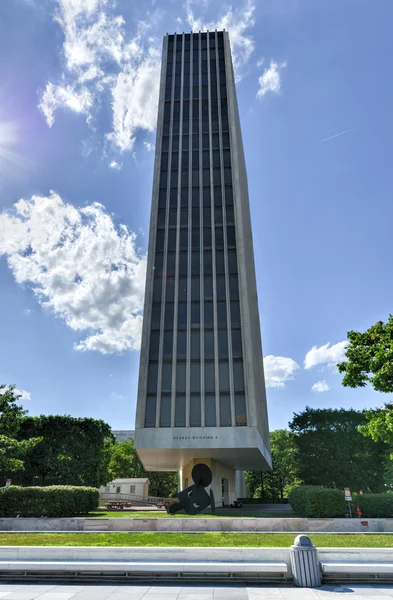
8	483
348	498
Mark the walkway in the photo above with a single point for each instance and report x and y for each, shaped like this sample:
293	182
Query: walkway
137	592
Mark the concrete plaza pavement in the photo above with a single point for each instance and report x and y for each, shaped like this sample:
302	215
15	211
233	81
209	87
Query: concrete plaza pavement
16	591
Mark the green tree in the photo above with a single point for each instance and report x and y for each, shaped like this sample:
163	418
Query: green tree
124	463
379	427
370	358
278	483
73	451
12	451
334	453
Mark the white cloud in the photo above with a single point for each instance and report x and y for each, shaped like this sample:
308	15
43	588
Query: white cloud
115	165
149	146
80	266
54	96
278	370
320	386
270	80
99	58
325	355
237	22
23	394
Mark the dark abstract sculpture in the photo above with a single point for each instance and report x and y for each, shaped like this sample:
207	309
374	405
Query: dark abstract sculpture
195	498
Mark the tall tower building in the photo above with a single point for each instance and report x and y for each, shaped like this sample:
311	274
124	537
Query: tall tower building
201	395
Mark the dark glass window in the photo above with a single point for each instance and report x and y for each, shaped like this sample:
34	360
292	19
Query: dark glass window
163	179
216	140
219	238
205	143
210	385
207	218
207	237
232	261
206	196
181	345
225	410
180	411
233	287
195	345
195	178
195	289
156	315
222	344
206	177
221	291
183	239
154	345
208	287
227	176
222	315
184	216
195	315
195	142
230	215
152	378
220	263
223	368
175	143
231	237
225	140
173	198
210	411
174	179
170	290
164	161
238	376
235	314
209	345
208	315
217	196
175	161
166	380
150	415
216	176
168	345
184	161
182	315
227	158
157	289
216	160
169	310
181	378
195	263
170	264
161	218
195	411
240	410
162	199
237	350
207	263
195	378
165	413
182	289
173	216
205	159
195	159
184	197
183	266
195	216
195	237
218	217
159	264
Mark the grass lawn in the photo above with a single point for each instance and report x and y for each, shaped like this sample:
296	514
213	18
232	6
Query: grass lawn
267	540
155	514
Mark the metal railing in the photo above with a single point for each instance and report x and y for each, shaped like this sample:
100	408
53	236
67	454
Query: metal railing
134	499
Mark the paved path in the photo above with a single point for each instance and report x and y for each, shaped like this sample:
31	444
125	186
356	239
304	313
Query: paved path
138	592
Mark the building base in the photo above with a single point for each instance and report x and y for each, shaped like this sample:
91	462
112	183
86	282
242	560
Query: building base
226	484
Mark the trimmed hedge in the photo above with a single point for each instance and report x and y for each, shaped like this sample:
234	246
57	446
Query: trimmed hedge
373	505
51	501
317	501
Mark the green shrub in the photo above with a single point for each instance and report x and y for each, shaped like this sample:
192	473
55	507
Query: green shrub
317	501
373	505
51	501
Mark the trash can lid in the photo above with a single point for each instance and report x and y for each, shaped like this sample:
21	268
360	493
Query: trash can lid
303	540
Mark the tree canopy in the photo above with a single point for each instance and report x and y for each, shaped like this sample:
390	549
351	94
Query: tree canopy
370	358
73	451
12	451
334	453
276	484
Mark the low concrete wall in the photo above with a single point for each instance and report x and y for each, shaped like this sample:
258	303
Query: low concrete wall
200	525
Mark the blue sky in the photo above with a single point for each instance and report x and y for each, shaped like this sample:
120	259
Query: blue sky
78	98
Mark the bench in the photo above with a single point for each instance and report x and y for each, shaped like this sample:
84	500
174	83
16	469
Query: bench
187	570
362	570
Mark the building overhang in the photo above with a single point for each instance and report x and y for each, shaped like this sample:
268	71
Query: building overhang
171	449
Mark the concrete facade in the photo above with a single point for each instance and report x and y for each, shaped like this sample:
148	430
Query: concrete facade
201	392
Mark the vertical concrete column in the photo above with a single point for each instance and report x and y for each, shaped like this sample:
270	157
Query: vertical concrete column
240	483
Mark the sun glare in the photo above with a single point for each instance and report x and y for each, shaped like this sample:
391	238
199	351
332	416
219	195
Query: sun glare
8	141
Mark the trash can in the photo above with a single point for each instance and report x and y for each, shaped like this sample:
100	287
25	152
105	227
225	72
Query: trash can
304	561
